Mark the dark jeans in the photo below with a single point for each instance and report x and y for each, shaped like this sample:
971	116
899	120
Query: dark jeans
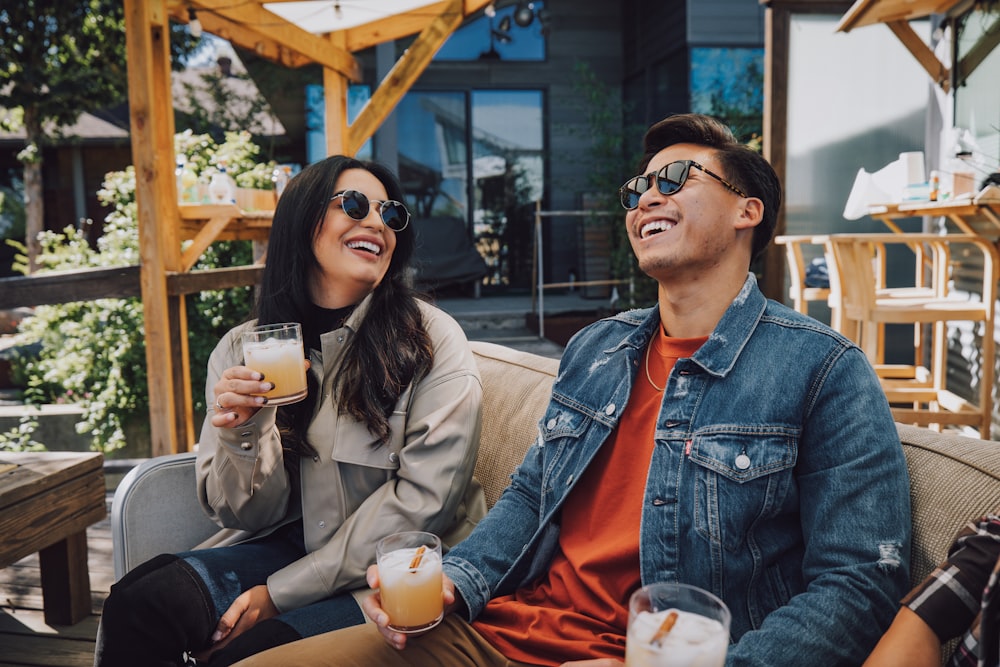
171	604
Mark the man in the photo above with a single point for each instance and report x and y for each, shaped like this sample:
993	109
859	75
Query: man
717	439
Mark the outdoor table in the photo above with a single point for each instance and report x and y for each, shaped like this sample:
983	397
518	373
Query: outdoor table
979	215
47	501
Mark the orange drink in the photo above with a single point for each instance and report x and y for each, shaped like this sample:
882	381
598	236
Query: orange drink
409	570
276	351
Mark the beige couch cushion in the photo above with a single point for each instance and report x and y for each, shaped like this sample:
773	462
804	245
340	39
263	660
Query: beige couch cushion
953	479
516	387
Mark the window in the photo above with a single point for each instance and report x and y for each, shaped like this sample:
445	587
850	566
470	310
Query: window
515	32
728	83
476	156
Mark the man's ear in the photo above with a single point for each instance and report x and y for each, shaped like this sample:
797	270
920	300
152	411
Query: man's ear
750	214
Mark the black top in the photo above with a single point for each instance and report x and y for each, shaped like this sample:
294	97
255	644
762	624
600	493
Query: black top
322	320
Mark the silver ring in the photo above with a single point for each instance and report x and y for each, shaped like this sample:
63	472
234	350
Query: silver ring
218	406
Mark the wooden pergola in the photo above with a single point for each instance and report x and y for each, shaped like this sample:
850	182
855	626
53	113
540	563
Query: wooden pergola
165	274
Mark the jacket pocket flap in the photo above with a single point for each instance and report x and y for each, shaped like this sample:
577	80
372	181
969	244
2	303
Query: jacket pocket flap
744	456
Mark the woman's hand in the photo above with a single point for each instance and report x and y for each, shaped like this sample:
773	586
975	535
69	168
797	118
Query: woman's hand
234	399
250	608
372	606
597	662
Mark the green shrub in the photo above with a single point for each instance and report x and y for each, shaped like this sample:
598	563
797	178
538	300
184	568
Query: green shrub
93	353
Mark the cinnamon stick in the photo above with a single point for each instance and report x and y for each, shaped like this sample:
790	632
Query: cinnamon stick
665	628
417	557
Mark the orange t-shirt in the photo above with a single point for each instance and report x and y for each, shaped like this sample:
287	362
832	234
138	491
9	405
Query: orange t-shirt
579	610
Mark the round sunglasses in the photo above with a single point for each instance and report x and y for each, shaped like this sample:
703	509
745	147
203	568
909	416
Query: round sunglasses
669	180
357	206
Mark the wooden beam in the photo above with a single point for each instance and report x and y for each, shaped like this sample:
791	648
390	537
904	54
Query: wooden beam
983	47
42	289
192	282
252	40
255	19
403	74
940	74
147	36
403	24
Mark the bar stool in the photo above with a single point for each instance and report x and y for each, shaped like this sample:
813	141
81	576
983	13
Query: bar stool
918	393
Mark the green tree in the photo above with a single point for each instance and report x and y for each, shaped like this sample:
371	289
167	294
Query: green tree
61	58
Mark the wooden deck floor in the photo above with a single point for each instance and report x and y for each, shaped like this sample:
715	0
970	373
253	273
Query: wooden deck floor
25	638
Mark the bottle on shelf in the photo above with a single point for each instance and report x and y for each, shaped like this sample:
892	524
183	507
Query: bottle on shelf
280	177
187	181
222	189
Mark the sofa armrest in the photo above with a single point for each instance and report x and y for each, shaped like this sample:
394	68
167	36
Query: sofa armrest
155	510
953	480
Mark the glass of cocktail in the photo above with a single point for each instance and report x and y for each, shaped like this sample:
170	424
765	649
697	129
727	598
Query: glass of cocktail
676	625
409	572
276	351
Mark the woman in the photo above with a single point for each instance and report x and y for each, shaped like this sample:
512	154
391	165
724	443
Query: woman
385	441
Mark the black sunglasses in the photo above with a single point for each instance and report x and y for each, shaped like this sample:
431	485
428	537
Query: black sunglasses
356	205
669	180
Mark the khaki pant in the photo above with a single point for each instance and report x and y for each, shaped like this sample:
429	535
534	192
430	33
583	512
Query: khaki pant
454	643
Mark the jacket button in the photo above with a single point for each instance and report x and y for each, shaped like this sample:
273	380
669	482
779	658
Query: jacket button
246	446
742	462
393	457
322	524
610	410
551	424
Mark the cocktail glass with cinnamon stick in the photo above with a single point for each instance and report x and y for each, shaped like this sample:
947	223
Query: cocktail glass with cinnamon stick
409	569
676	625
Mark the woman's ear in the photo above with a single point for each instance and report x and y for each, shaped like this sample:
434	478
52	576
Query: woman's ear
750	214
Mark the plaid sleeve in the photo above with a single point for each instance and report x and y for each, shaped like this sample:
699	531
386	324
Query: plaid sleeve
949	599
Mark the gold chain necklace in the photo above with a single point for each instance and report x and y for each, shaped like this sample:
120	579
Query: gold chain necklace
648	376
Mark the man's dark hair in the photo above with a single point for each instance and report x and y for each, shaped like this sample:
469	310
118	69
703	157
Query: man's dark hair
741	165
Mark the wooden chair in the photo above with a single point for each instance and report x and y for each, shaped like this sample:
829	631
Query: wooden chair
800	293
917	392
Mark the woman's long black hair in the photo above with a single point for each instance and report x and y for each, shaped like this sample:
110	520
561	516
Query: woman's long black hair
391	348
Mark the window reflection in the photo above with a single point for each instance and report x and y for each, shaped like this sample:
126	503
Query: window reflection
515	32
479	146
728	83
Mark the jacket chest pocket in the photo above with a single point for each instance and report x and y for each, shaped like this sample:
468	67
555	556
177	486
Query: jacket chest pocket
355	445
739	478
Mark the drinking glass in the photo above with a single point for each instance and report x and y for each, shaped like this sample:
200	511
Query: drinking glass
676	625
276	351
409	571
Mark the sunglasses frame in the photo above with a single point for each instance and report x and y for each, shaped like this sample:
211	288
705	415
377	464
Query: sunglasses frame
626	191
359	196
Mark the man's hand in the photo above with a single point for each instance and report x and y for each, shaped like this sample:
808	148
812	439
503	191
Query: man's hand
251	607
372	606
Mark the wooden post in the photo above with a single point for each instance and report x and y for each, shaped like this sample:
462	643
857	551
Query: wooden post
775	130
147	34
335	108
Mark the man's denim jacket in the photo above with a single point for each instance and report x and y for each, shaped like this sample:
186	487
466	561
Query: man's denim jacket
777	482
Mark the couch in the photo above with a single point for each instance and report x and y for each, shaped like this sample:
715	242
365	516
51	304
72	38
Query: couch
952	478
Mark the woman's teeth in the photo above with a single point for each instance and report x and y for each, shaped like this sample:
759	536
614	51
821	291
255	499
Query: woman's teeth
364	245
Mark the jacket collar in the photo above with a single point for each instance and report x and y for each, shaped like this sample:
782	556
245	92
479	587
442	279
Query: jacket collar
719	353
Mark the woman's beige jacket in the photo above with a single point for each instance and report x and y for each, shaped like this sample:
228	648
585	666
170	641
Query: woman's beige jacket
357	490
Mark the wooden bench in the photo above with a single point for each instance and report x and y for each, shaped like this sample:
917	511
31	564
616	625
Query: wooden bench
47	501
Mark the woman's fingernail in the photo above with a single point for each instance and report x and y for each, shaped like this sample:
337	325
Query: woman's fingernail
216	636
